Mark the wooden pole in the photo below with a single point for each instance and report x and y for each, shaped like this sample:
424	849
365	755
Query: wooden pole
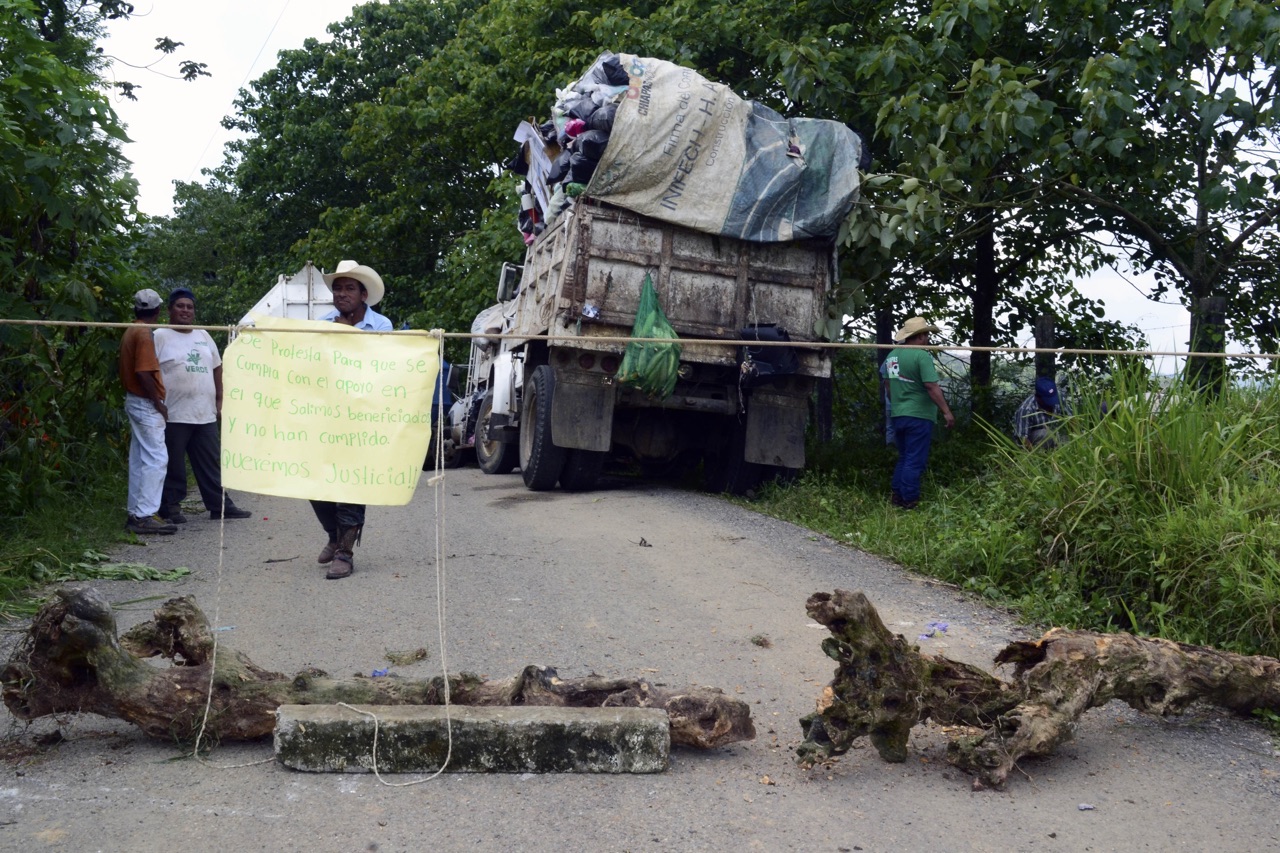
1046	338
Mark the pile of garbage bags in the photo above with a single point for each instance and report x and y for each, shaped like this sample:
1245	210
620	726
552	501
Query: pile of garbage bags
559	156
661	140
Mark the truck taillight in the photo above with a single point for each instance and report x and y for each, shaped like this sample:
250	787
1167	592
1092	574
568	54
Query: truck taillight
609	364
586	360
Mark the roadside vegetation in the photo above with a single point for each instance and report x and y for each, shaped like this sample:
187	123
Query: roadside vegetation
1160	516
1015	148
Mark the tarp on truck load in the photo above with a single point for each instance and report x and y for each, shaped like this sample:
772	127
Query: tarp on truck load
689	151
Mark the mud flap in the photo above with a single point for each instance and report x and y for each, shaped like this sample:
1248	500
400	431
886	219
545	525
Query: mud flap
775	429
582	410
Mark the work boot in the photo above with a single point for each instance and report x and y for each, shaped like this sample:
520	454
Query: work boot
343	559
326	553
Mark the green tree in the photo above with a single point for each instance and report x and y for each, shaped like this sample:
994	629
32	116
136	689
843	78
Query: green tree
67	213
201	247
1150	130
303	194
65	195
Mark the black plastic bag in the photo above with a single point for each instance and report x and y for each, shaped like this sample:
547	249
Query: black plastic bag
581	168
559	168
602	119
592	144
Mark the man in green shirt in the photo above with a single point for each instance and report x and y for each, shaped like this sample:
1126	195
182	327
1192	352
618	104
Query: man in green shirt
916	399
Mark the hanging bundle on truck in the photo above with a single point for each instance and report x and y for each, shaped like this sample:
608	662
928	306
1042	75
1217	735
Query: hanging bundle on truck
650	365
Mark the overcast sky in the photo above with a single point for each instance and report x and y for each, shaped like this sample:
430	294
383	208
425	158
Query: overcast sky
176	126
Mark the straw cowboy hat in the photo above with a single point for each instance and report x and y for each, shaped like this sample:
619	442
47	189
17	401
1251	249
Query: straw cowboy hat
365	275
913	327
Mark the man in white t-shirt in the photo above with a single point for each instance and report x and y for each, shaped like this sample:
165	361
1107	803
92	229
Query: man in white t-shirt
192	371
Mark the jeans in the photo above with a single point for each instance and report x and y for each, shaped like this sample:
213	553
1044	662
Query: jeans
335	515
148	458
914	437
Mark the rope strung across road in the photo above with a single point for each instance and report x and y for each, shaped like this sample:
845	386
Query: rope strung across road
617	339
437	484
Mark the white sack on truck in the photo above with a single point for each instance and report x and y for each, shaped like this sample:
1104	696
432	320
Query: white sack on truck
691	152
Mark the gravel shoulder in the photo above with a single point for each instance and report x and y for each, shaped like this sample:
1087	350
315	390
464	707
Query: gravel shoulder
629	580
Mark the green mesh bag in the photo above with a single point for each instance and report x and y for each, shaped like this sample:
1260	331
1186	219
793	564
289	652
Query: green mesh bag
650	366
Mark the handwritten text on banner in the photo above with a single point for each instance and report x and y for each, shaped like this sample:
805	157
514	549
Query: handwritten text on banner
324	415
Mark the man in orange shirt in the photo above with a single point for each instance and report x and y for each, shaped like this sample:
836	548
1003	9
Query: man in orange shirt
144	404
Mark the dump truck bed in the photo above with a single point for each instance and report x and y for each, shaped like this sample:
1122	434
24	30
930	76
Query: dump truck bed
583	278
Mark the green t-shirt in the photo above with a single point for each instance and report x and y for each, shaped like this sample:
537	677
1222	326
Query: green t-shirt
907	369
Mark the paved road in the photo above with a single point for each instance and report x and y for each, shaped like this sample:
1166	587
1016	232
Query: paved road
564	580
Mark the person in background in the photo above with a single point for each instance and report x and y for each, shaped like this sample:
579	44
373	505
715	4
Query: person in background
356	289
192	371
144	404
1036	417
917	399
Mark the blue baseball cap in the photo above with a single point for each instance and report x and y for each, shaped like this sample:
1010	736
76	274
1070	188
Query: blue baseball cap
179	292
1047	391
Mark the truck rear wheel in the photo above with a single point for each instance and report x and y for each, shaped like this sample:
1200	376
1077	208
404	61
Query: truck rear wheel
541	462
493	456
581	470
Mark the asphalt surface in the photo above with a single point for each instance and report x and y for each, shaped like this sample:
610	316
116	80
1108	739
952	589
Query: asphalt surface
631	580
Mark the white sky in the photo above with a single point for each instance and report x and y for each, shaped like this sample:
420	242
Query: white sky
176	126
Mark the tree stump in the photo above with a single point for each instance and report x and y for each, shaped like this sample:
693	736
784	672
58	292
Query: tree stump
72	662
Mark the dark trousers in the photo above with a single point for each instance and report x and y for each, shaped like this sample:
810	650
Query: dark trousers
333	516
202	444
914	437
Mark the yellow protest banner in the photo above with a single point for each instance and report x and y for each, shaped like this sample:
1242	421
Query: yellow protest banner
323	411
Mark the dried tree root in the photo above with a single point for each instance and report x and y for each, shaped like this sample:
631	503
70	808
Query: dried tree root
883	687
1065	673
71	661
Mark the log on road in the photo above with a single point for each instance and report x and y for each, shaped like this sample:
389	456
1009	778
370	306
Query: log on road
884	686
72	661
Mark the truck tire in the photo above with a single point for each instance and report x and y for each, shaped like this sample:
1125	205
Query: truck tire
493	456
581	470
723	467
541	461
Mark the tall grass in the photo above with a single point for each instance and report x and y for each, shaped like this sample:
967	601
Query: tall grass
1158	514
60	535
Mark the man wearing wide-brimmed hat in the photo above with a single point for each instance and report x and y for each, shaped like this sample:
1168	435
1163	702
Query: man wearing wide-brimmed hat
356	289
916	399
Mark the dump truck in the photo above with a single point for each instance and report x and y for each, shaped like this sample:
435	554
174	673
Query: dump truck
545	394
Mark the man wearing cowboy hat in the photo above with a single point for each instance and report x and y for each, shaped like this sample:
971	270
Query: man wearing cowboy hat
356	289
916	399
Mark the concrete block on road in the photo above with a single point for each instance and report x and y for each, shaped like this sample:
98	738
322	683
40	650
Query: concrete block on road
523	739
